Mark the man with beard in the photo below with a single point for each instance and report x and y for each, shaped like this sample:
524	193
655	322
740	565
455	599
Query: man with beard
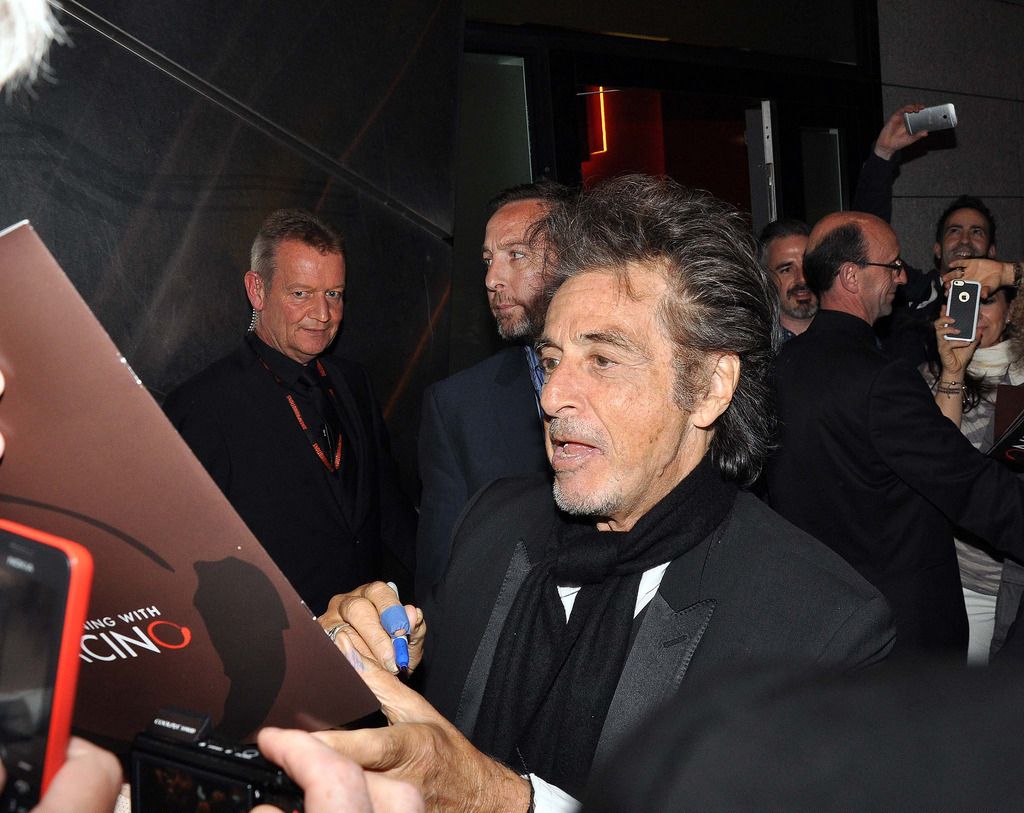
965	230
781	251
561	622
867	463
485	422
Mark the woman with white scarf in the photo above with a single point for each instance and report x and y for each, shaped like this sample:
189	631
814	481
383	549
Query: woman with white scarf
964	382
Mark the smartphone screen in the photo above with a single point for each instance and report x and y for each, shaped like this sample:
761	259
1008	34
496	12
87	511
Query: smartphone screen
165	784
38	583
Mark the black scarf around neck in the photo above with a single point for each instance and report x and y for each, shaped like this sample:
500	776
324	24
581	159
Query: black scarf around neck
551	682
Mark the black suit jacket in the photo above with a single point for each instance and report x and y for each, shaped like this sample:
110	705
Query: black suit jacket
756	591
869	465
779	742
476	426
235	418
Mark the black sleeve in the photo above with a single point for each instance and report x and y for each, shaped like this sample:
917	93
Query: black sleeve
397	515
443	497
874	186
927	451
200	428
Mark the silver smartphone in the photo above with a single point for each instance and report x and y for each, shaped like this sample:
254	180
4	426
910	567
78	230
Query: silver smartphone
962	305
940	117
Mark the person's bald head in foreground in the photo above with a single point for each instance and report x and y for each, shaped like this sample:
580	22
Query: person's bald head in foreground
853	264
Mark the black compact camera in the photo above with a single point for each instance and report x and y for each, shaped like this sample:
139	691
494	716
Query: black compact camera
177	767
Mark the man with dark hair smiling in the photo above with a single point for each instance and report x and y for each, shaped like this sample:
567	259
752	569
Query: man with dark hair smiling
781	246
561	621
965	230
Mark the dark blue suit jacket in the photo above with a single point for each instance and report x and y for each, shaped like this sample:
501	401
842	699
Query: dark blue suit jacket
476	426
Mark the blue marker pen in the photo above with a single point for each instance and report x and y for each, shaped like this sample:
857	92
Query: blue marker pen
396	622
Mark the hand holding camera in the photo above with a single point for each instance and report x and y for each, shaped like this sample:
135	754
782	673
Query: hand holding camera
328	778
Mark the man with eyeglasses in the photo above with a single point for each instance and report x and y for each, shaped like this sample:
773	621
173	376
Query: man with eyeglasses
866	462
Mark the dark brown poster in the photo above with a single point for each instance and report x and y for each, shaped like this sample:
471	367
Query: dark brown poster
187	609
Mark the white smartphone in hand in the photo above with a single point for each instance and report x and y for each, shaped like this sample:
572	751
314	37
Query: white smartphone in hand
940	117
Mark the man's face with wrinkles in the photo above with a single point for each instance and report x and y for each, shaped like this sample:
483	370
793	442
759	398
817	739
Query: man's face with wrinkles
617	439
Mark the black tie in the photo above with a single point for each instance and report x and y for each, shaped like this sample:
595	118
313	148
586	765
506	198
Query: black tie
329	425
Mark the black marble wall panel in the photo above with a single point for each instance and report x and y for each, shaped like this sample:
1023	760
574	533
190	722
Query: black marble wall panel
963	46
148	191
966	52
369	83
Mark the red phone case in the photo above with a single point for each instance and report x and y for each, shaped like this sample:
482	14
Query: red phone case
76	608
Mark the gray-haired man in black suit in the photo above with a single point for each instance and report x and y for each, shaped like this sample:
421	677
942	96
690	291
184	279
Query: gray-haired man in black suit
567	612
293	436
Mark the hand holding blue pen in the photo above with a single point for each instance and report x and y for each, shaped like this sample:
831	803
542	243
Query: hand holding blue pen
396	622
388	633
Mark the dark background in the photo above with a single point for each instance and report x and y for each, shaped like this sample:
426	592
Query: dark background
171	129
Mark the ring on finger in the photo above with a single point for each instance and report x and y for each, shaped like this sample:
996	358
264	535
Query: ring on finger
332	633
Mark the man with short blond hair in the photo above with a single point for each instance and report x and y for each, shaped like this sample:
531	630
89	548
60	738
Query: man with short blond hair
292	435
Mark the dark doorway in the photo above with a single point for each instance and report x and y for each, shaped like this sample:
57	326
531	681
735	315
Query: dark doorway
698	140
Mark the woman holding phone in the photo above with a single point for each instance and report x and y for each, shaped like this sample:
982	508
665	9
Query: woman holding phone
964	376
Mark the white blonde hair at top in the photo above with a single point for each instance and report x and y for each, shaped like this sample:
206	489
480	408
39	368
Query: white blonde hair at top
27	27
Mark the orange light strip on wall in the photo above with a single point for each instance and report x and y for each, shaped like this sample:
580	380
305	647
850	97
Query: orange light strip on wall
604	124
